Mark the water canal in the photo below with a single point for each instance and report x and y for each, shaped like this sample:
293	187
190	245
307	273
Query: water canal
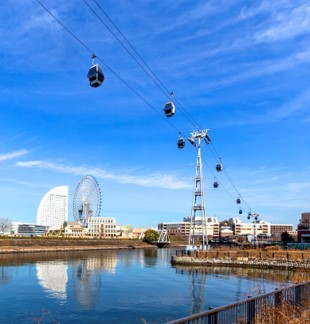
122	286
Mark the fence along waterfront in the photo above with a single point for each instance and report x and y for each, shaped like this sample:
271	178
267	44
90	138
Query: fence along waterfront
252	309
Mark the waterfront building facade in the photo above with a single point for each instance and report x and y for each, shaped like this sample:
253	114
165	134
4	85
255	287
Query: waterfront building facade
278	229
182	229
27	229
53	208
254	229
102	226
227	228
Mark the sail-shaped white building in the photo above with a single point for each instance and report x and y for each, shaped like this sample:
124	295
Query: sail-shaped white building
53	208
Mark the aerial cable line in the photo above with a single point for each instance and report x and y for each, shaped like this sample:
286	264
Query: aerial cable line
152	76
144	62
131	46
109	68
126	83
161	86
222	186
125	48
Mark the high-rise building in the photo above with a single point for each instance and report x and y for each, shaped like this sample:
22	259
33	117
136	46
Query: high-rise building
53	208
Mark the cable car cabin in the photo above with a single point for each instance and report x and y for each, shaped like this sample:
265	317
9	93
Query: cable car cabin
215	184
181	143
249	216
95	76
240	211
238	201
219	167
169	109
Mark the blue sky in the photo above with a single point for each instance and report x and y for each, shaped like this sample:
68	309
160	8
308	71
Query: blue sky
239	68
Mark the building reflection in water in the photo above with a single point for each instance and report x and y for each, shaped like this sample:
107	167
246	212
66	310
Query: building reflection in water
53	278
86	276
5	276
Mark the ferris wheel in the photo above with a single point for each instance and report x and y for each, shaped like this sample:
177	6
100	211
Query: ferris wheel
86	200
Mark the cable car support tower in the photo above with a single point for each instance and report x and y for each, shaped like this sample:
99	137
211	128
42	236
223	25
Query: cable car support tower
198	225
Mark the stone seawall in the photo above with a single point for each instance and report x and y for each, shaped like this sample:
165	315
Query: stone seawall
59	245
245	258
254	263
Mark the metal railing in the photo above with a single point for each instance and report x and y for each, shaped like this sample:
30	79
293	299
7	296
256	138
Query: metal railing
251	310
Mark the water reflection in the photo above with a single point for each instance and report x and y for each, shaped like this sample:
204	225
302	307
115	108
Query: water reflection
121	286
86	276
53	278
197	285
242	279
225	272
5	276
150	258
86	285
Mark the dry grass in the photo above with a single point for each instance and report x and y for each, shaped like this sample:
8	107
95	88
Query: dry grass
285	313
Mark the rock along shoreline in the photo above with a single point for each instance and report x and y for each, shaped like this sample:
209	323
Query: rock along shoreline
257	263
239	258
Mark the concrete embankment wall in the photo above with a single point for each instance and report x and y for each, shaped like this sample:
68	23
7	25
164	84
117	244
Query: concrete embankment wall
255	254
252	258
44	245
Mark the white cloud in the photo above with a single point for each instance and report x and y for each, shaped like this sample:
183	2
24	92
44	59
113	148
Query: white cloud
264	68
13	155
152	180
296	106
288	24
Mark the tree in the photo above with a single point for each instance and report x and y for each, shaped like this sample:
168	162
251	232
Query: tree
150	236
286	237
5	225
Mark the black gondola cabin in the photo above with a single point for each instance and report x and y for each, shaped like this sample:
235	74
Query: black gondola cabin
219	167
181	143
169	109
95	76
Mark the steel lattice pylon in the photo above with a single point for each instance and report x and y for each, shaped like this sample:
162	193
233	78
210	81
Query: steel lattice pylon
198	226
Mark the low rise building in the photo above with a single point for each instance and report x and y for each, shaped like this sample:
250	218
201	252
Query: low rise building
182	229
104	227
254	228
28	229
125	231
227	228
303	229
73	228
138	233
278	229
